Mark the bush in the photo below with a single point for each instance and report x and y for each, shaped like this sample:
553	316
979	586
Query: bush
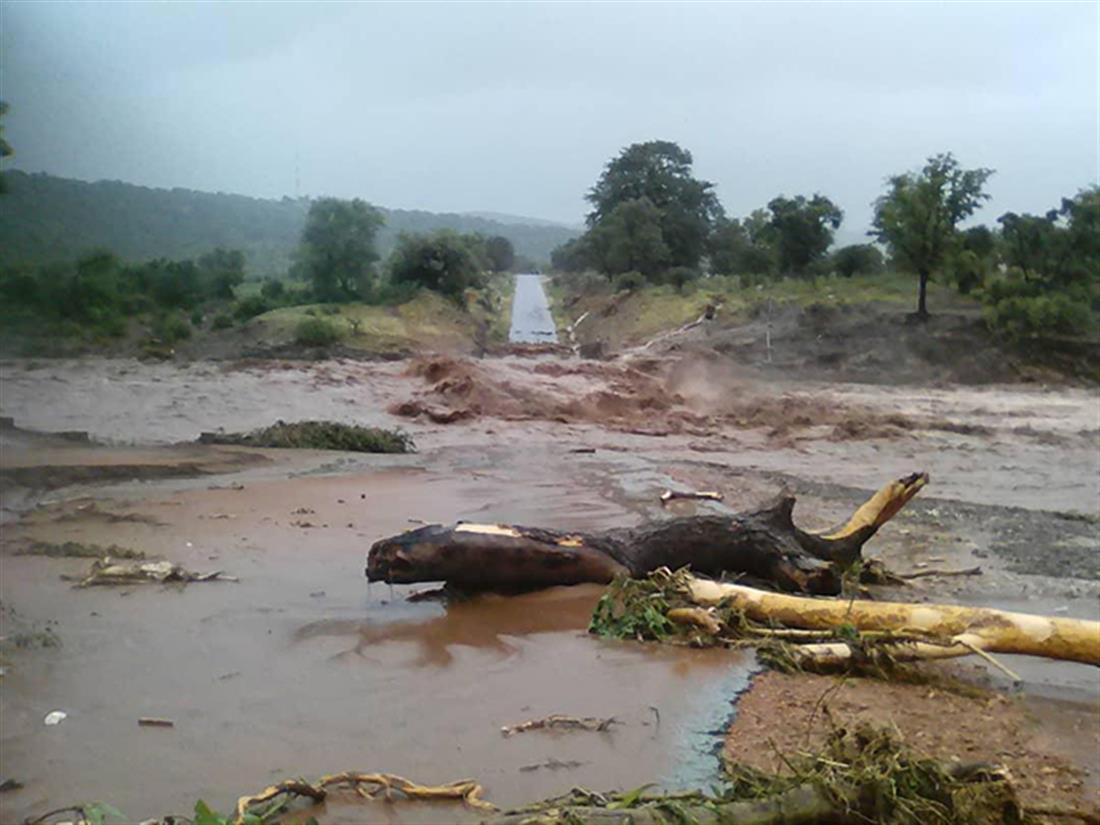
250	307
171	328
681	276
858	259
196	317
222	321
628	281
316	332
1017	317
273	290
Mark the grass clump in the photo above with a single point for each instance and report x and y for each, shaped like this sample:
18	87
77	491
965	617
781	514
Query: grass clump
319	435
316	332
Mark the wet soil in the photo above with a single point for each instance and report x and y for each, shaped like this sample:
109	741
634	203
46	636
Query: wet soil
301	669
932	719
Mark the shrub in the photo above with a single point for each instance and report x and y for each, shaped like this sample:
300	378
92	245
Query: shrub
222	321
316	332
250	307
628	281
1019	316
273	290
681	276
196	317
858	259
171	328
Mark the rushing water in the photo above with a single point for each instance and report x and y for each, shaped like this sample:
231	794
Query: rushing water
532	322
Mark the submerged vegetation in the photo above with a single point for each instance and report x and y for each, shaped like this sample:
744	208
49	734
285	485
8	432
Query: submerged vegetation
319	435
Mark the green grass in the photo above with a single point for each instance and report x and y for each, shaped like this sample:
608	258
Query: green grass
428	319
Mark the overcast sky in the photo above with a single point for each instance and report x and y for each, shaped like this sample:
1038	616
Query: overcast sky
516	108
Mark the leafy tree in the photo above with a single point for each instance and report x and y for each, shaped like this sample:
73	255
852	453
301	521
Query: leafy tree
858	259
573	256
803	229
660	172
917	216
5	147
221	272
630	239
1058	248
338	248
743	247
443	261
501	253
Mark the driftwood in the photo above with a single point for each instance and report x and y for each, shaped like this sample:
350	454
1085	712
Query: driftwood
765	545
951	630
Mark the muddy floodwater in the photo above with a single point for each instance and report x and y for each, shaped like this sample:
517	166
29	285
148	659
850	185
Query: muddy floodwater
302	668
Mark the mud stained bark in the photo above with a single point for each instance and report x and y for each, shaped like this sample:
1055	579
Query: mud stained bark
764	545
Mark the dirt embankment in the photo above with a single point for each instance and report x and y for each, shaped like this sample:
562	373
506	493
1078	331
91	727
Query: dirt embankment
837	338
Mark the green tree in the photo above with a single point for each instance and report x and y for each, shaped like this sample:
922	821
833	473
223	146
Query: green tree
660	172
5	147
630	239
338	249
858	259
443	261
918	216
803	229
573	256
501	253
221	272
745	247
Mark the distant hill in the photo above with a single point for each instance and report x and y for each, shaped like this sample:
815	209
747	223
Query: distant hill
522	220
45	218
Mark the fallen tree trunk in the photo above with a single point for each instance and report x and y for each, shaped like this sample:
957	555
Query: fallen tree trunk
765	545
965	629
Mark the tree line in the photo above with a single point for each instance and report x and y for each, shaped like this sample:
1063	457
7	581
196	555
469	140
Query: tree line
337	260
653	221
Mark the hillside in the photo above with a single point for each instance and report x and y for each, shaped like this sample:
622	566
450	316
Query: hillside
45	218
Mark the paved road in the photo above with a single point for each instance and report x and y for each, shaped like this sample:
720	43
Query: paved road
531	319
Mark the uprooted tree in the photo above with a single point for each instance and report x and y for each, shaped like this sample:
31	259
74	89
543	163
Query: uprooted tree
764	545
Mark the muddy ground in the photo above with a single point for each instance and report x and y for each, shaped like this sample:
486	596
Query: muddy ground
300	668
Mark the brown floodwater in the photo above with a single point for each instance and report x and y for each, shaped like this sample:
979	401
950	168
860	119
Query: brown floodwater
302	668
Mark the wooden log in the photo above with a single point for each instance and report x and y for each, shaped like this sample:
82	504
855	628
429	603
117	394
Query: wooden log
764	544
982	628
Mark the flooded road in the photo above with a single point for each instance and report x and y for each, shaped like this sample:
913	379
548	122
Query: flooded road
301	668
532	322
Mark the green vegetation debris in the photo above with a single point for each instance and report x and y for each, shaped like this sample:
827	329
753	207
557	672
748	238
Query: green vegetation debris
319	435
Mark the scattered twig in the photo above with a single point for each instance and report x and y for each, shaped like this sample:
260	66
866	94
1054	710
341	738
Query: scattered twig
700	495
466	790
552	764
558	721
153	722
920	574
989	658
